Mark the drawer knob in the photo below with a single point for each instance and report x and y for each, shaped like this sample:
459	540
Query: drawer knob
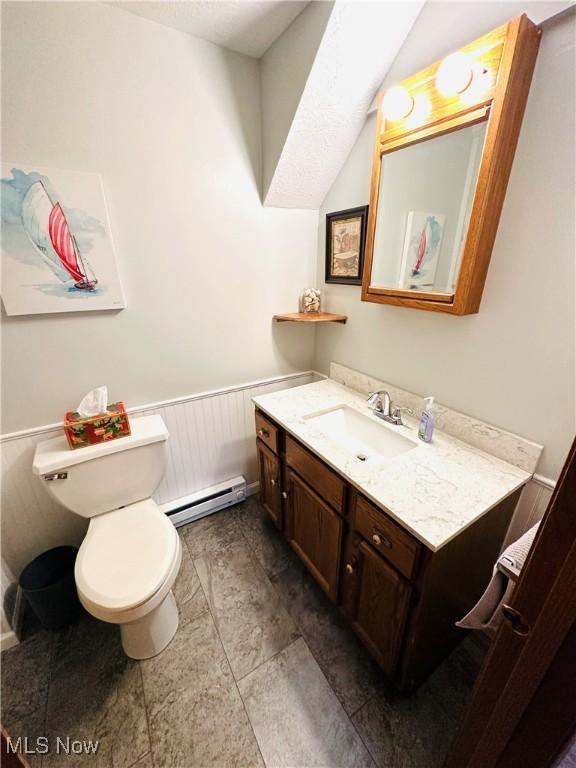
349	568
284	495
273	481
263	433
381	541
376	539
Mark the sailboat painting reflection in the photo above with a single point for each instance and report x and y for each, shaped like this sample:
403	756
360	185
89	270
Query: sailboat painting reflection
55	257
421	252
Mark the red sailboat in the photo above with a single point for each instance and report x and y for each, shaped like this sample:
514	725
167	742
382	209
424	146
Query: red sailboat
421	252
47	228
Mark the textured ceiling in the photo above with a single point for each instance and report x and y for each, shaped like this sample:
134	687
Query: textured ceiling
247	27
360	42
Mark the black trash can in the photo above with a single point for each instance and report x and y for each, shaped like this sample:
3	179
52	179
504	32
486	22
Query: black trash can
49	586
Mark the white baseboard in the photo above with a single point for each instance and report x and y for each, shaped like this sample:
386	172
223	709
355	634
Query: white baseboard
252	488
8	640
545	482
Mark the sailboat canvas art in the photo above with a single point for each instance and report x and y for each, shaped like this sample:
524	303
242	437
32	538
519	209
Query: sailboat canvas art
57	250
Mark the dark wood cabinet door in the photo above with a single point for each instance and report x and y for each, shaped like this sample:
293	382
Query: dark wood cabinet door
376	599
270	486
314	531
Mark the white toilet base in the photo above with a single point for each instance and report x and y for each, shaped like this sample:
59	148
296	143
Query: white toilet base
149	635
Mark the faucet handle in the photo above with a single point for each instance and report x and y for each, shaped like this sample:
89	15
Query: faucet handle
398	410
372	398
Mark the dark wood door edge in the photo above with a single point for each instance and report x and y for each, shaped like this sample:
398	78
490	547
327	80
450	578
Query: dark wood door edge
517	664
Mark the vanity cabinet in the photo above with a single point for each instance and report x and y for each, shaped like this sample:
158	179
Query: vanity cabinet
314	532
401	598
398	547
376	599
267	432
330	486
269	470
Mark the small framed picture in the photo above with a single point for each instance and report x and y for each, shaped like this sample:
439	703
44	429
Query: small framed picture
345	239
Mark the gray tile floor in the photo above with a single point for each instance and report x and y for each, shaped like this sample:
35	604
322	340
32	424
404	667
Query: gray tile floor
262	672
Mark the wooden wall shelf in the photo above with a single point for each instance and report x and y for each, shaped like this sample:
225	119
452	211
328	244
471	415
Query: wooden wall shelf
310	317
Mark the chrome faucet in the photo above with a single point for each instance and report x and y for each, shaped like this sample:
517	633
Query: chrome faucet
381	405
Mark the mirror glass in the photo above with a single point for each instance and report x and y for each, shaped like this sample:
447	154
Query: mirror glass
424	201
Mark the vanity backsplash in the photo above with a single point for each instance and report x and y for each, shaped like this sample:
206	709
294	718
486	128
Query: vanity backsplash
507	446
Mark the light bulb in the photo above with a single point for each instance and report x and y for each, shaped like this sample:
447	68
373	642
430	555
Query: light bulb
481	83
455	74
397	103
420	112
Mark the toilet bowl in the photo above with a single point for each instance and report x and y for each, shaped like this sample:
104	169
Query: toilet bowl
131	555
124	572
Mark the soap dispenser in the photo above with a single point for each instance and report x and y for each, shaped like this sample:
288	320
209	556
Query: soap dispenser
426	427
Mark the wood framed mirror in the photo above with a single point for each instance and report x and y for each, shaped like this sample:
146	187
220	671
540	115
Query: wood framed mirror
445	142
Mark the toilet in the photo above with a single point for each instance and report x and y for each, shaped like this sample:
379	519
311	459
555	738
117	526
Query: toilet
131	555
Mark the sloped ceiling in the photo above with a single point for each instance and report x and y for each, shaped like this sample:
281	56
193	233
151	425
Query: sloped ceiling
357	47
243	25
284	72
321	64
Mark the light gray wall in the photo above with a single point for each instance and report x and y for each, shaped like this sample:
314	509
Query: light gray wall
173	125
284	71
513	363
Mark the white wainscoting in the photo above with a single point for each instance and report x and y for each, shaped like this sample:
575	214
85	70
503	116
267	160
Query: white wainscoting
531	507
211	440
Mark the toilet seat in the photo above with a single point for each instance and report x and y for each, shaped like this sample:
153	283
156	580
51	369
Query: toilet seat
126	559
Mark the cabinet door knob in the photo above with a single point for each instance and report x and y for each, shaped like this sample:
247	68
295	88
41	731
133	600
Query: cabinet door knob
273	481
284	495
263	433
381	541
349	568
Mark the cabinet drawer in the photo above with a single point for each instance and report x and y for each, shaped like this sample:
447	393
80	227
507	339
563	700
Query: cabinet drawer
395	544
324	481
267	431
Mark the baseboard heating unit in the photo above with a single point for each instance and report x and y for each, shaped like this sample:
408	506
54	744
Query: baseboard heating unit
205	502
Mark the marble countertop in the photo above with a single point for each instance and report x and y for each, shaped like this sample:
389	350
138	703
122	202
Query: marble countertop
434	490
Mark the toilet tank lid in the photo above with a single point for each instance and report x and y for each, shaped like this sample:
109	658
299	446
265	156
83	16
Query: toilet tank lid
55	455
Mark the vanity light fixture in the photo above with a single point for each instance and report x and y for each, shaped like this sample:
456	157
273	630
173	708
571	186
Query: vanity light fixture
486	85
455	74
420	112
397	103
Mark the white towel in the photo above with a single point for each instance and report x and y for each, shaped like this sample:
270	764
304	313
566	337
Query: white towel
487	613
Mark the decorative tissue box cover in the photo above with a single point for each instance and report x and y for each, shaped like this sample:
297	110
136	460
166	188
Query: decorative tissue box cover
82	431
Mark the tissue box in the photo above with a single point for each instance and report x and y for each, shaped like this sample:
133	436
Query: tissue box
82	431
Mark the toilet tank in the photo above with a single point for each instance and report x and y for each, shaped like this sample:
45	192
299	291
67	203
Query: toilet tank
99	478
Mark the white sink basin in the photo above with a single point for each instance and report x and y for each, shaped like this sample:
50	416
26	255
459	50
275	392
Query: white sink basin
363	436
